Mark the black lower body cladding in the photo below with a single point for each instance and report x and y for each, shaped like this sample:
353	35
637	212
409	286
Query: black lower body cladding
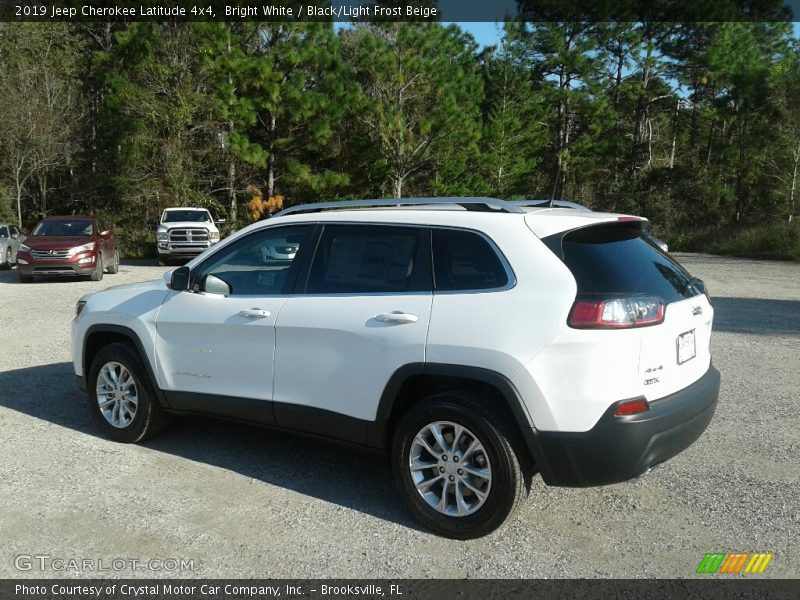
621	448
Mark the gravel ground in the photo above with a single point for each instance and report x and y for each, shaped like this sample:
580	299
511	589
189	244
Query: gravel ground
244	502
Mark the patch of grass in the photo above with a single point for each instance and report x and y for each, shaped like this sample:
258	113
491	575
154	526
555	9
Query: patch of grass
779	241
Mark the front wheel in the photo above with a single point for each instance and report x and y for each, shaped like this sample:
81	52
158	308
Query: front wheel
113	268
98	272
455	465
121	396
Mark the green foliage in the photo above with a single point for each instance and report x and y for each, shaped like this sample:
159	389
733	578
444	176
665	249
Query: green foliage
694	125
7	213
418	110
778	241
514	133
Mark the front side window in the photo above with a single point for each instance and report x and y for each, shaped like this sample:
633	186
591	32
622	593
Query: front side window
465	261
362	259
64	228
262	264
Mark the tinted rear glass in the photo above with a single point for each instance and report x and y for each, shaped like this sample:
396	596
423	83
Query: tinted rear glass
368	259
618	259
465	261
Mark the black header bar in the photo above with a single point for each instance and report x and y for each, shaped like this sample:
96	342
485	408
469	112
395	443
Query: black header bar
409	10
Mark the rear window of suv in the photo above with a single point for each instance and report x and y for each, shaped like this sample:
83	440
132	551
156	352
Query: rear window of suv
361	259
618	259
465	261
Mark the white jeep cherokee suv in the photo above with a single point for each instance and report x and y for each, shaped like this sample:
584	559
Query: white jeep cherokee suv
477	341
185	232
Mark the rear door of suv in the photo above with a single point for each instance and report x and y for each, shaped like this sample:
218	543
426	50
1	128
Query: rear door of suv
361	313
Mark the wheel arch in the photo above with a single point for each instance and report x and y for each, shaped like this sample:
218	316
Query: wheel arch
99	336
413	382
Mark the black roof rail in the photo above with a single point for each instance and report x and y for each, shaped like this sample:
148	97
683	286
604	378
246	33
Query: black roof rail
477	204
550	204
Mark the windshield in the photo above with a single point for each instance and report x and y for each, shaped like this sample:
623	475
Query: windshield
176	216
68	228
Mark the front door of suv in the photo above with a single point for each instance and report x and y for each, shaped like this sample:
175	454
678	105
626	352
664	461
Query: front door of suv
362	313
215	343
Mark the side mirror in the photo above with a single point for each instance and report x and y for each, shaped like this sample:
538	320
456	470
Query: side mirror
106	234
14	236
220	222
179	281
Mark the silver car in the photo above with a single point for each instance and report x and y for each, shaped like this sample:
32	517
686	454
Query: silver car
10	238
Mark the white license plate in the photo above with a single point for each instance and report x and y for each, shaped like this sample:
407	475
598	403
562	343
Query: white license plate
686	347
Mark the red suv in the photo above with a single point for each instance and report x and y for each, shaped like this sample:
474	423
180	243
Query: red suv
72	246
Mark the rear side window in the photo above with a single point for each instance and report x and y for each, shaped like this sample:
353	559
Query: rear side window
617	259
465	261
361	259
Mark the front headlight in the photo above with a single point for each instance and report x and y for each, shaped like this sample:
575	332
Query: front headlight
162	235
79	307
85	248
23	248
215	236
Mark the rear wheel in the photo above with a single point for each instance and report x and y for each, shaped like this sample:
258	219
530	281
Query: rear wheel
455	465
113	268
121	395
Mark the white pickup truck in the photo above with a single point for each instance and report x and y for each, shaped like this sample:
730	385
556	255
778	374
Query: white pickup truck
185	233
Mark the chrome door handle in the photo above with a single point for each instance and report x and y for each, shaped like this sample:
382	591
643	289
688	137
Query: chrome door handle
254	313
396	317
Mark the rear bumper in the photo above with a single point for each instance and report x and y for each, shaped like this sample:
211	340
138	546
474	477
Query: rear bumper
621	448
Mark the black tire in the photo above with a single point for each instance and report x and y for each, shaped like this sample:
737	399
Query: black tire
24	278
113	268
503	451
149	417
98	272
8	264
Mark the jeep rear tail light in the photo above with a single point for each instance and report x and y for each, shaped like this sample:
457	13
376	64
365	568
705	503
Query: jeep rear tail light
616	313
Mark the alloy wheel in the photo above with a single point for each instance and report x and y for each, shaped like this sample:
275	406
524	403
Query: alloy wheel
117	394
450	468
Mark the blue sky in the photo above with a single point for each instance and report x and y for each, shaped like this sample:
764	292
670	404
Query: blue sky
487	34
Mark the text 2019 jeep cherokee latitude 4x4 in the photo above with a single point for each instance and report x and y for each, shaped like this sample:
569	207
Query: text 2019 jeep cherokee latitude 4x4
477	341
